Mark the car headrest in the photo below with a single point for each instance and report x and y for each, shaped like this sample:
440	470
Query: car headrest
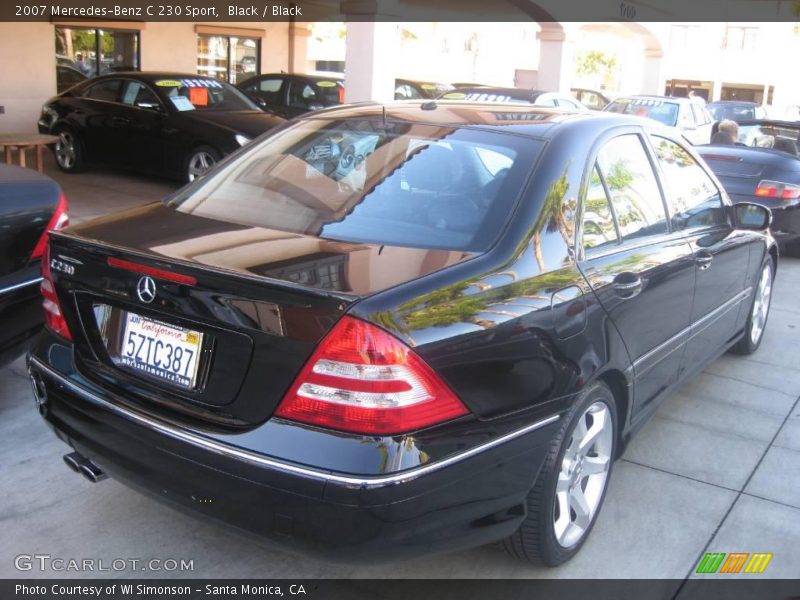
432	168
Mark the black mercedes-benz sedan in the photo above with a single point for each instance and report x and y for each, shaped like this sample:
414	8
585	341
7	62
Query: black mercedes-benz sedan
31	205
385	331
171	124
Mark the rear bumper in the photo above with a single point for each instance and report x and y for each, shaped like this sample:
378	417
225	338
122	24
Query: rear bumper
472	497
21	308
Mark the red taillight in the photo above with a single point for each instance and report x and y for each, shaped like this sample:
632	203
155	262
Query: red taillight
59	220
53	317
363	380
777	189
152	271
341	94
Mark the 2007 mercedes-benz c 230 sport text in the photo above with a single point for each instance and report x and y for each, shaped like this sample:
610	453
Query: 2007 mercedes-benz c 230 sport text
383	331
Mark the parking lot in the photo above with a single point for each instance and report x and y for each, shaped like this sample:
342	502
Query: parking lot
717	470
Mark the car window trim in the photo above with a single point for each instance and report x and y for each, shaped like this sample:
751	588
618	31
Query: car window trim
599	144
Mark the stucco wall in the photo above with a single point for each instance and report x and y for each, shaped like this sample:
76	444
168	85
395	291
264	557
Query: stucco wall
27	73
28	67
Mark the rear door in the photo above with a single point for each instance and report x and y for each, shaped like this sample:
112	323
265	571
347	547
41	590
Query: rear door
102	102
641	270
721	254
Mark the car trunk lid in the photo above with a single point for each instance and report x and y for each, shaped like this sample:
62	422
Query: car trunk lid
254	302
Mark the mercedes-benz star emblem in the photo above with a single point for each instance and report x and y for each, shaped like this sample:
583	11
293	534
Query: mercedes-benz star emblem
146	289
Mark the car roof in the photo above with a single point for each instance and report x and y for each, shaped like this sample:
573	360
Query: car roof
733	102
523	119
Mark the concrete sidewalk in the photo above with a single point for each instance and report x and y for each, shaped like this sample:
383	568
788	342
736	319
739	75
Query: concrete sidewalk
716	470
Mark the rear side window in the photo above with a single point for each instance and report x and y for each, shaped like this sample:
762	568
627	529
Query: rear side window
107	90
359	180
633	188
694	200
266	89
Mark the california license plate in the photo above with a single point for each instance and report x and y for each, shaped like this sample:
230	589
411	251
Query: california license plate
162	351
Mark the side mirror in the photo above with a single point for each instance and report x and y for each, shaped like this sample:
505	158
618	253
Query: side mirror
752	216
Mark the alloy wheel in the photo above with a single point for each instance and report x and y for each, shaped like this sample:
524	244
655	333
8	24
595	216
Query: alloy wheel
65	150
583	474
199	163
758	318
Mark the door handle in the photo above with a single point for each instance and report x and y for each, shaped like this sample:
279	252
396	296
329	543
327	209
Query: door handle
703	259
627	285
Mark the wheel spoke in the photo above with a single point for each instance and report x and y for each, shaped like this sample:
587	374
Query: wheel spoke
583	513
562	483
594	465
590	437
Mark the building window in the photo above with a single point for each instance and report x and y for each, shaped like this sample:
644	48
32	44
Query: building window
92	52
741	38
228	58
684	36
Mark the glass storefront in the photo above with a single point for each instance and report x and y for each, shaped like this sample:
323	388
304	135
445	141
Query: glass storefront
229	58
82	53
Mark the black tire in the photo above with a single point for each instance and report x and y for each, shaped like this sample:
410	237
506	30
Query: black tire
199	156
69	151
535	541
746	345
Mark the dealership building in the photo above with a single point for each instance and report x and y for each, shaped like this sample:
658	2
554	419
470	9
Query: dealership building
715	60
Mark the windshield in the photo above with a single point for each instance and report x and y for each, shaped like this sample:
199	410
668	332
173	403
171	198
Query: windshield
658	110
202	93
367	181
777	137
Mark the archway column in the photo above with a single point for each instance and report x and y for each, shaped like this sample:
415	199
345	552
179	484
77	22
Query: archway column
556	60
371	50
653	80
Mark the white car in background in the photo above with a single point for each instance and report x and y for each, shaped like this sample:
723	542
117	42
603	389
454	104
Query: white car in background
687	115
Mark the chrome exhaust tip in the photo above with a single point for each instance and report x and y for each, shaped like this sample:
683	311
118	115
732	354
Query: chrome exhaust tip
92	472
74	461
82	465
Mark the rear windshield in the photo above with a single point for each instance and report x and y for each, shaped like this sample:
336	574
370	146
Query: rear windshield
658	110
363	181
735	113
202	93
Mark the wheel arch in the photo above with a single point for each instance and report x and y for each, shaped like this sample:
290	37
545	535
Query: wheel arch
620	388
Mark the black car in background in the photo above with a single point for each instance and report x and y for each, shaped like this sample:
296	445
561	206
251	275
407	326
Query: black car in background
386	331
31	204
763	168
410	89
290	95
485	93
736	110
165	123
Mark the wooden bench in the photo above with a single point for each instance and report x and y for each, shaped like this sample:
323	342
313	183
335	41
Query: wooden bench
23	142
